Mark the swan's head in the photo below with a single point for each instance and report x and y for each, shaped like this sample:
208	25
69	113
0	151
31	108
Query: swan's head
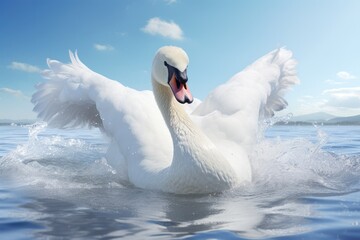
170	69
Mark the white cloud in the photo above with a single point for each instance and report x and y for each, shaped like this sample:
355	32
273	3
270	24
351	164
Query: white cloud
336	101
343	97
101	47
16	93
24	67
333	82
309	104
156	26
308	97
345	75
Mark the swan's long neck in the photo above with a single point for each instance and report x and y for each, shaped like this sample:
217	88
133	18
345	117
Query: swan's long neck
176	118
194	154
185	134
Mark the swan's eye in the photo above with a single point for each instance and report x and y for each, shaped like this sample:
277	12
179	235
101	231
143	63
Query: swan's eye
165	63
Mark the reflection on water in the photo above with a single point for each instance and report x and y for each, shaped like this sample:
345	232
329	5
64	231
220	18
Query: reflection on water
139	214
63	188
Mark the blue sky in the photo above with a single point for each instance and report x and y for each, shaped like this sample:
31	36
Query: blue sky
119	38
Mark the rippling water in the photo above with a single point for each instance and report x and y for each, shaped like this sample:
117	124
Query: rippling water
56	184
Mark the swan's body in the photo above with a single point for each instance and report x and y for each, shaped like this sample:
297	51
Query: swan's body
156	144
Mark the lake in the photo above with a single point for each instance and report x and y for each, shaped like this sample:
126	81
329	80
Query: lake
56	184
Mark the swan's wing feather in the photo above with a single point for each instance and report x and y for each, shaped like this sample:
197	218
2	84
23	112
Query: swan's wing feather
64	100
266	80
233	109
282	82
75	96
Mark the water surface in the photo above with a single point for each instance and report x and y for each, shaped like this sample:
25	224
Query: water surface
56	184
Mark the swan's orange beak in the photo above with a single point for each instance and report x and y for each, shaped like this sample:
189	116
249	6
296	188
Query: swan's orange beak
180	90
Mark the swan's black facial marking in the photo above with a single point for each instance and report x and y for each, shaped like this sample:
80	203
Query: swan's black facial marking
181	77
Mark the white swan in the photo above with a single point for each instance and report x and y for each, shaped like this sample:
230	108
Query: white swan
156	144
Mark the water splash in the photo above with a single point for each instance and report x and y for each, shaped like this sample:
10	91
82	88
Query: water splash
269	122
299	166
277	119
35	129
54	161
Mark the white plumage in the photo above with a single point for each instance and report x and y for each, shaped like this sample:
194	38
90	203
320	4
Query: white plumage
156	144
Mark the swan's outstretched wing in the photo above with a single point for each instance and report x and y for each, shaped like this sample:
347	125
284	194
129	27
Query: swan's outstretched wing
73	95
232	111
64	100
